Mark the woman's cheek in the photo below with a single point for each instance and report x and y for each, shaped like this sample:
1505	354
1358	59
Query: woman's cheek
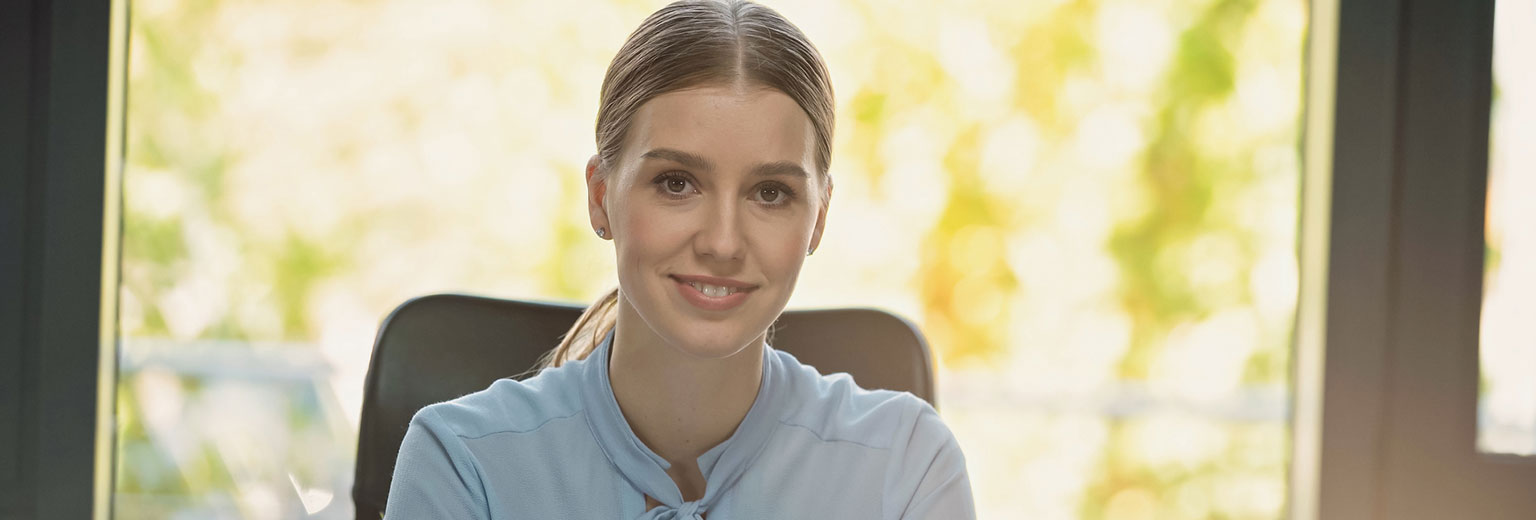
783	249
651	228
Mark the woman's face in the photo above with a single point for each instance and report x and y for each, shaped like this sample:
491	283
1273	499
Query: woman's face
712	206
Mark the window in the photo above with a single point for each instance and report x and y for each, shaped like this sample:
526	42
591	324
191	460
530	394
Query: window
1094	207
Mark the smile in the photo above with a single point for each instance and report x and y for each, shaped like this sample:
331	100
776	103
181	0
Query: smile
712	291
712	294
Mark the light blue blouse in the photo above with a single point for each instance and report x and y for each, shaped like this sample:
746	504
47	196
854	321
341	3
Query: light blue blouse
556	446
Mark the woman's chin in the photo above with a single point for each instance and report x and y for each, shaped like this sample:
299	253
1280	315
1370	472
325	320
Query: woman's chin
719	345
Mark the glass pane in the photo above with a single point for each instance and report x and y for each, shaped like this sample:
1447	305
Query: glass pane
1507	409
1089	208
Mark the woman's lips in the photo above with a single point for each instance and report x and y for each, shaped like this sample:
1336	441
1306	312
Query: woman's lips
697	297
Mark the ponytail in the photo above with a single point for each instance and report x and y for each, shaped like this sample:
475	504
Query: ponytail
589	329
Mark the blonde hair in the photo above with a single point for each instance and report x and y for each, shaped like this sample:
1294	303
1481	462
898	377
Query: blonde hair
686	44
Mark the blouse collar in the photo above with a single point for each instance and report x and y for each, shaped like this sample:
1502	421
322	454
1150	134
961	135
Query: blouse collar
721	466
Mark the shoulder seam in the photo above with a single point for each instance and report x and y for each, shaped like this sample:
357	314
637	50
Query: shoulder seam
819	437
529	430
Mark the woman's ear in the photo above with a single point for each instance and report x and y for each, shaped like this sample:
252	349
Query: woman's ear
597	203
821	218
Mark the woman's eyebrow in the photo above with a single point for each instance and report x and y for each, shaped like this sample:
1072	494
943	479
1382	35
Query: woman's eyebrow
780	168
678	156
696	162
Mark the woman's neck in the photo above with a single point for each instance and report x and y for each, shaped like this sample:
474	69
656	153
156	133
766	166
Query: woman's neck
679	405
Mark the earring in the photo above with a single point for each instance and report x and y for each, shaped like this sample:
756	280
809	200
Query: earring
810	251
602	232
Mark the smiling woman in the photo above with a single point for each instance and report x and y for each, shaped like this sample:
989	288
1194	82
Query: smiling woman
665	399
701	224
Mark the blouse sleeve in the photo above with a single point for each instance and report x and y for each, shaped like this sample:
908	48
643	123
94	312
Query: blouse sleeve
434	475
933	472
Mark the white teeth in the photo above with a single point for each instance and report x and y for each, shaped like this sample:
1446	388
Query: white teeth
712	291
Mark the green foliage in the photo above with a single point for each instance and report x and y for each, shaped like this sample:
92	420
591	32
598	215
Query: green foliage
298	169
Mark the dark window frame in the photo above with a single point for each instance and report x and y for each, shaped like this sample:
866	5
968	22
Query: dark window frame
60	144
1391	248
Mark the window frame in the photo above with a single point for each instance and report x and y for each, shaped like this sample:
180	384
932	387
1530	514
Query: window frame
60	163
1391	251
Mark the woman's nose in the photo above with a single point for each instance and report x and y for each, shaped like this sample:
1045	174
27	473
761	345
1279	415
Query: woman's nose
720	233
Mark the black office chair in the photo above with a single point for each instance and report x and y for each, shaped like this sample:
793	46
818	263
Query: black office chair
439	347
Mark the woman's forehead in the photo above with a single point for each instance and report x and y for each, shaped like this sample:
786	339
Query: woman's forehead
730	127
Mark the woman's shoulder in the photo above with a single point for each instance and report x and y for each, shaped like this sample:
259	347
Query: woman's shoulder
835	407
507	405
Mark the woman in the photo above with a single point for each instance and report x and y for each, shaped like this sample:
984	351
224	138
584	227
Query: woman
664	401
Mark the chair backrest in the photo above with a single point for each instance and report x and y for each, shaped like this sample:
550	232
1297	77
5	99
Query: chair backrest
439	347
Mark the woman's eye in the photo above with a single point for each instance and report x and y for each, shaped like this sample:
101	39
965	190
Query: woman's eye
775	194
770	195
673	185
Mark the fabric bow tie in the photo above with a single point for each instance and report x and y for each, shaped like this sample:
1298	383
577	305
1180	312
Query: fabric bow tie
688	511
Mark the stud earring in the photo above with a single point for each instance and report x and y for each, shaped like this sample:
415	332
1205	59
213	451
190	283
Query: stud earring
602	232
